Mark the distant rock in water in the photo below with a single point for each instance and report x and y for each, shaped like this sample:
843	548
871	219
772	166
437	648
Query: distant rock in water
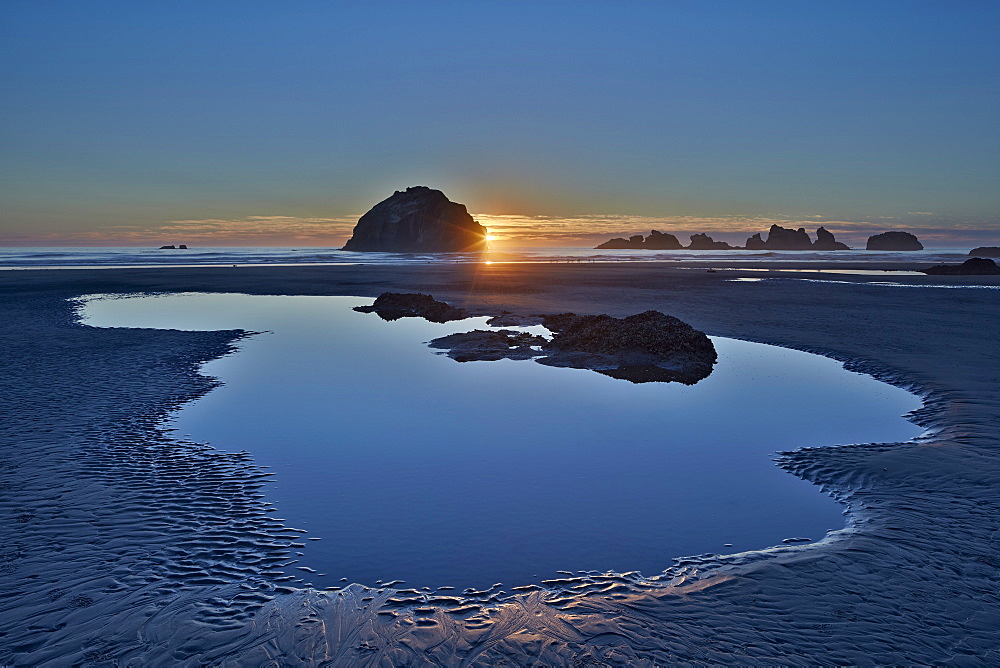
781	238
417	220
985	251
827	242
170	247
705	242
396	305
643	348
894	241
977	266
755	243
655	241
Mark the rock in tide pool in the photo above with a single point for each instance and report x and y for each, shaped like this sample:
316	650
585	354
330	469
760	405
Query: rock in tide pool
489	346
977	266
396	305
643	348
417	220
894	241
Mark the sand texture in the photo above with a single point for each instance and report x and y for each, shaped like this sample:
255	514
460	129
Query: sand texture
126	545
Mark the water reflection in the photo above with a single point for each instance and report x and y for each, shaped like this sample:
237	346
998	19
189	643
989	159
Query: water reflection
409	466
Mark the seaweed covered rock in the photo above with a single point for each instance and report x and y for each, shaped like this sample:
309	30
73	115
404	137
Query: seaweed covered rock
894	241
489	346
395	305
417	220
647	347
977	266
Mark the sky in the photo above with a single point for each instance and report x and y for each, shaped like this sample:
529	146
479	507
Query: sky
556	123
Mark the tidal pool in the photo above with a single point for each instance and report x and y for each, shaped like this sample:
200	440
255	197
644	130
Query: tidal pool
410	466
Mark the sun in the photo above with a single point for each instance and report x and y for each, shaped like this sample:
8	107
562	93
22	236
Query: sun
491	237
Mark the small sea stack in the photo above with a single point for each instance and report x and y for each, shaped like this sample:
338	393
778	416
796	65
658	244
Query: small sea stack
976	266
985	251
417	220
894	241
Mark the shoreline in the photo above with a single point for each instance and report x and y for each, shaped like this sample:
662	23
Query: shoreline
919	531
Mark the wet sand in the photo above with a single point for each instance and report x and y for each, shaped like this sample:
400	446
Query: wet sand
125	544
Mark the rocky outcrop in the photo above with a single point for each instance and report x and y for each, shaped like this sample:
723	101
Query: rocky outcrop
489	346
781	238
705	242
655	241
985	251
756	243
644	348
825	241
648	347
396	305
417	220
894	241
977	266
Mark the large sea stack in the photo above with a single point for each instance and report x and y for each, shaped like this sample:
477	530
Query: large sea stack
417	220
894	241
781	238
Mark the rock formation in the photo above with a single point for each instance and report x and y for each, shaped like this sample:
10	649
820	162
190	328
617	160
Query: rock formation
825	241
894	241
985	251
977	266
705	242
418	220
396	305
648	347
489	346
655	241
781	238
643	348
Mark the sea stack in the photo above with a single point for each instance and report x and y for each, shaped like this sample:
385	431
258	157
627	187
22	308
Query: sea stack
417	220
894	241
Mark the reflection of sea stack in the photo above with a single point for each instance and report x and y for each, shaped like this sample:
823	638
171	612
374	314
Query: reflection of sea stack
418	220
894	241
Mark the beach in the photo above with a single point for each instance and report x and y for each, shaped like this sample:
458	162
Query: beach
126	545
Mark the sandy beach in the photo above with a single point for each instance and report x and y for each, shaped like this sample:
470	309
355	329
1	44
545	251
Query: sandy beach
125	545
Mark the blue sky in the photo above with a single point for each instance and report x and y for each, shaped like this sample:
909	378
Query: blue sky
119	118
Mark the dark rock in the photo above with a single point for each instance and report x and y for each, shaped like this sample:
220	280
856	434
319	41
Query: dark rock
418	220
782	238
513	320
661	241
826	241
894	241
655	241
616	244
183	246
705	242
977	266
755	243
985	251
170	247
490	345
396	305
647	347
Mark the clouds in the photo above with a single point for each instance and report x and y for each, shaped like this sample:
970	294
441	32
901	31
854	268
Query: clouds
514	230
